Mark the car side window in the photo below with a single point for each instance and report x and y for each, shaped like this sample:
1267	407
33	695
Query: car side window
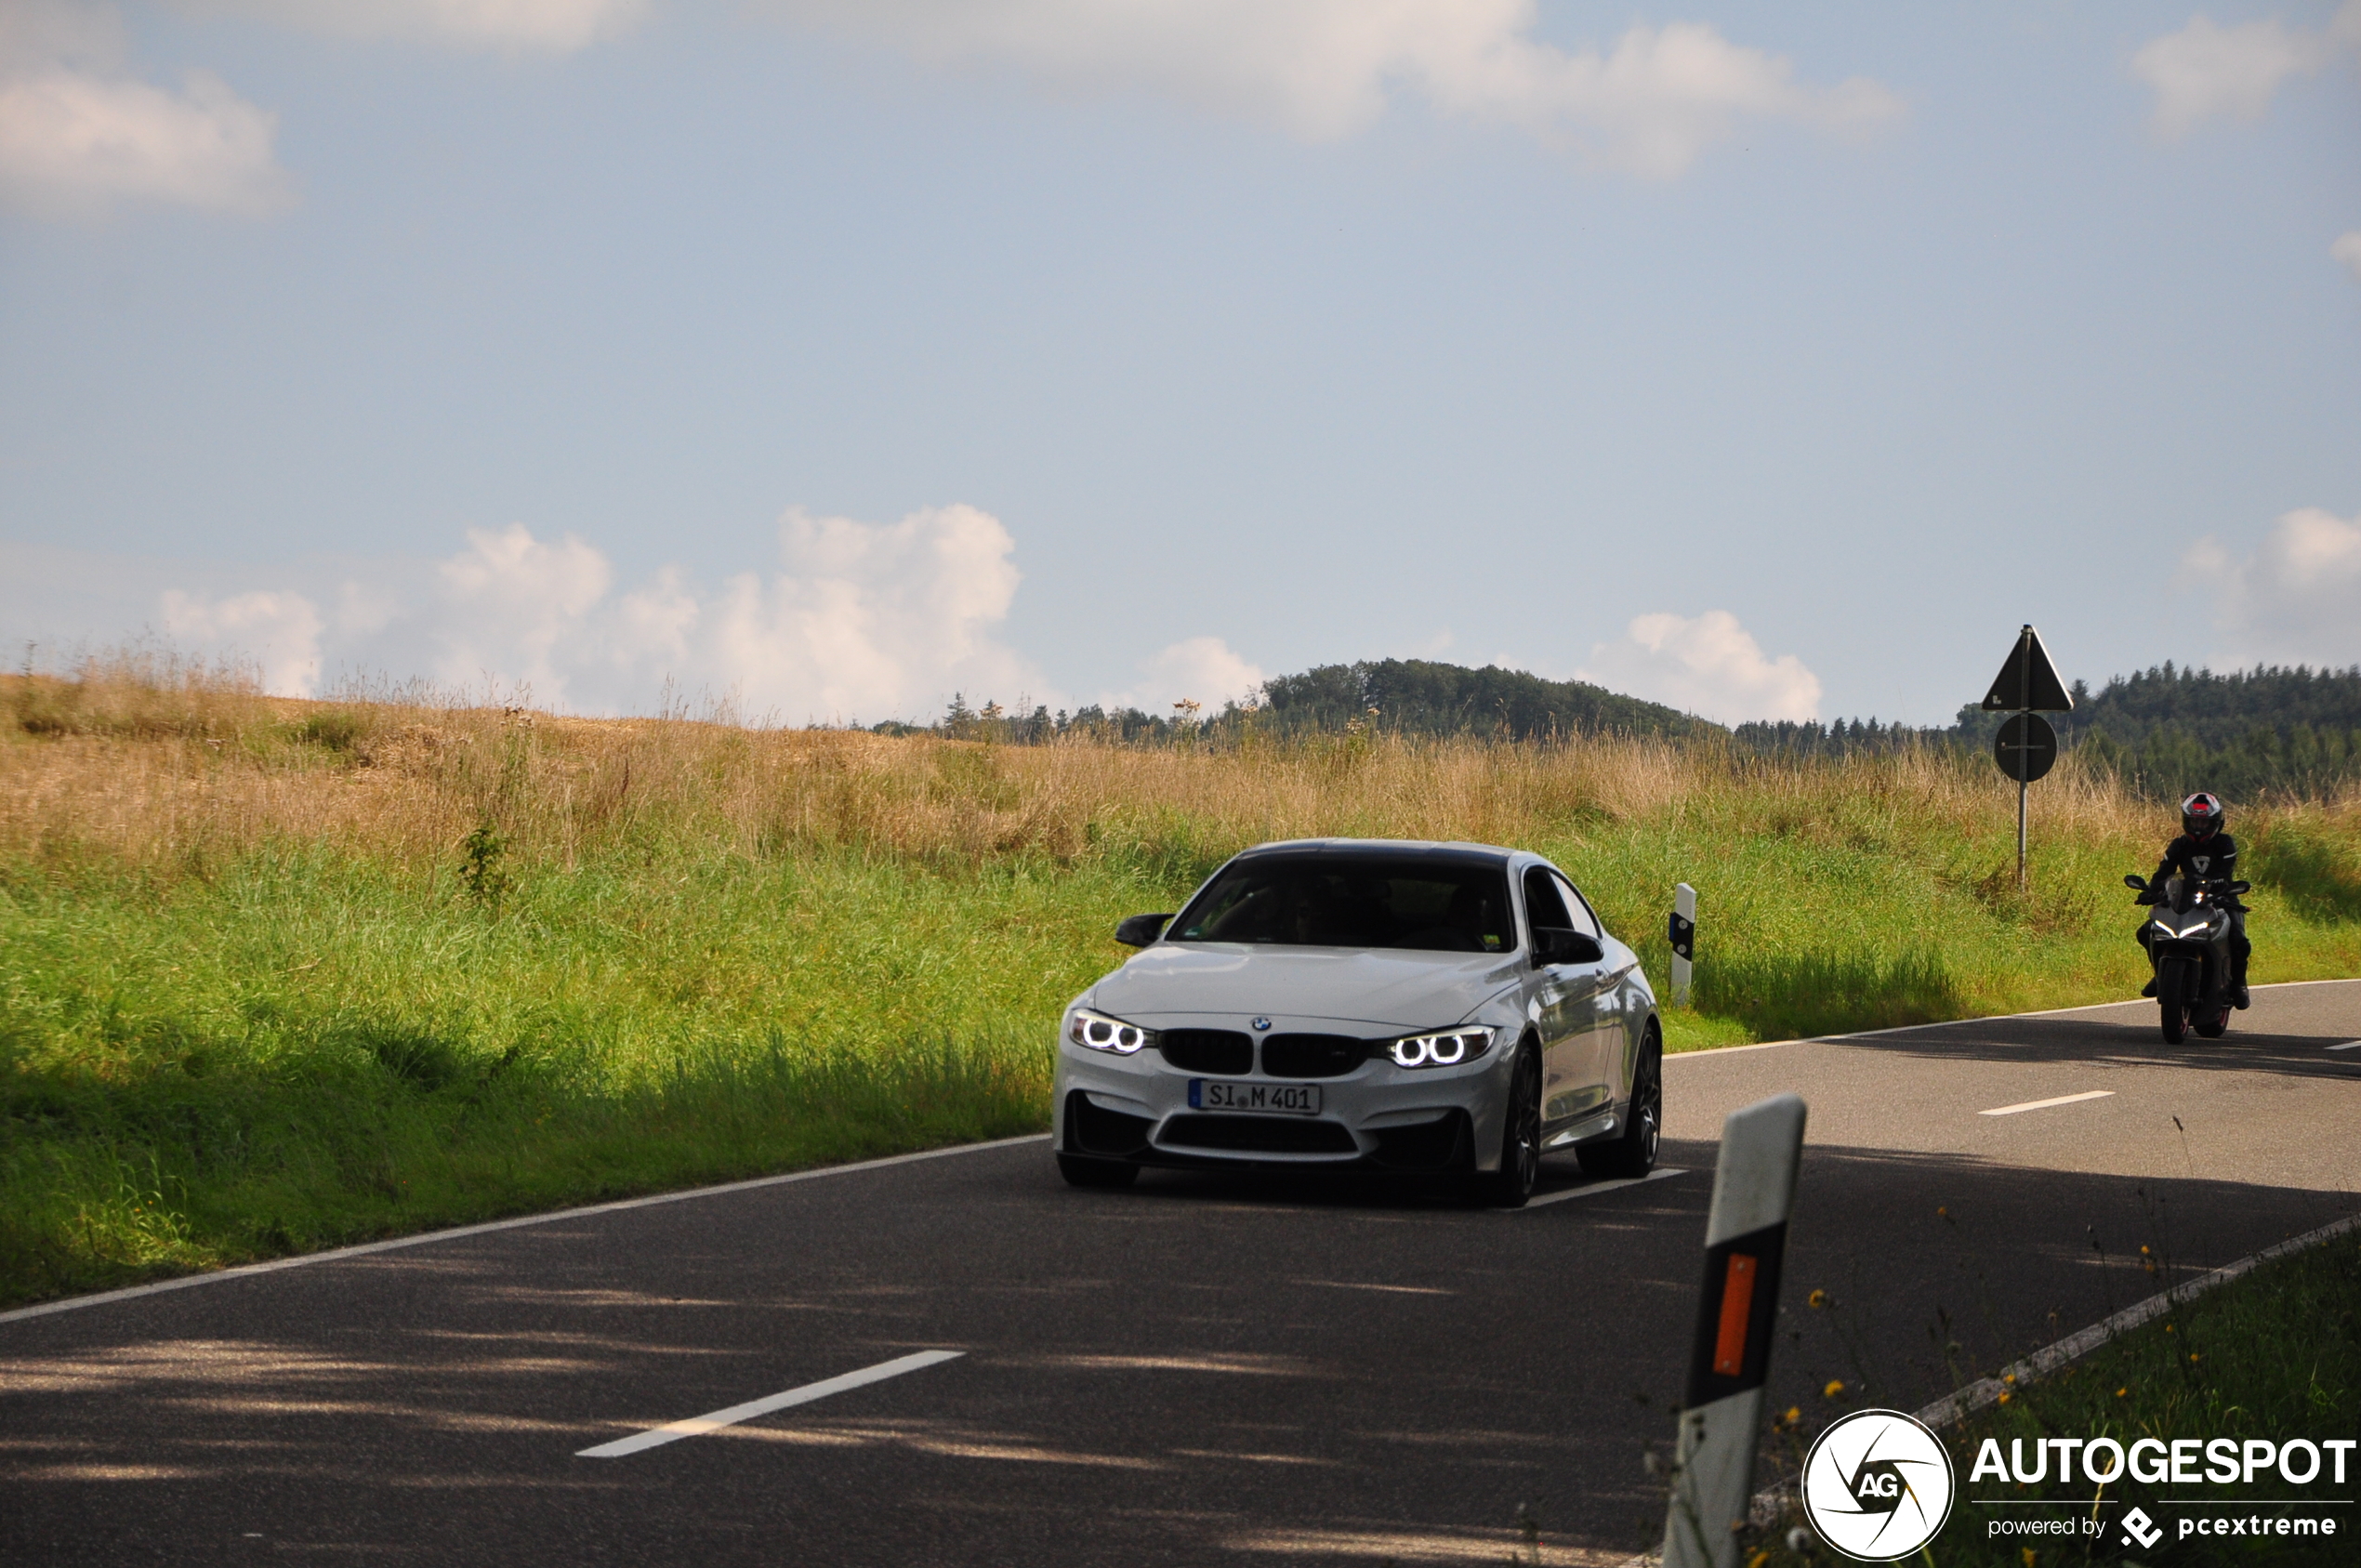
1543	906
1584	919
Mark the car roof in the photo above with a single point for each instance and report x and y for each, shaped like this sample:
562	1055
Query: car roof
1387	849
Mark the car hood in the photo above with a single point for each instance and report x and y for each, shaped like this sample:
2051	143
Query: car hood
1392	987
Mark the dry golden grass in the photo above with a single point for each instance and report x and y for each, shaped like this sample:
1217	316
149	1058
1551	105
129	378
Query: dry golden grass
161	767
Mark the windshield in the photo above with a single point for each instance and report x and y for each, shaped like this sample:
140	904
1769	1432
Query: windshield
1333	901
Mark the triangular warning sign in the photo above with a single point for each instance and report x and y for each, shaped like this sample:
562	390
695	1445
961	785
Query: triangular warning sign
2028	680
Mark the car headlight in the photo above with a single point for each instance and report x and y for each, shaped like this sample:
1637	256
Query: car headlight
1100	1032
1447	1049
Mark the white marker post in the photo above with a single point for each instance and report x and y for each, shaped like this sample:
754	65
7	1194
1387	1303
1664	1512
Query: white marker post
1721	1414
1683	929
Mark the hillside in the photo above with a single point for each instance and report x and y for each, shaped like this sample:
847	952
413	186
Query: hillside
1418	697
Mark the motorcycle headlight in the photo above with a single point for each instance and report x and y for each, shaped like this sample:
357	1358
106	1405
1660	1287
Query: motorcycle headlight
1447	1049
1100	1032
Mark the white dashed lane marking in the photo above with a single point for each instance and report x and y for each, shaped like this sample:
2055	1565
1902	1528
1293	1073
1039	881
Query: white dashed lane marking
696	1425
2045	1104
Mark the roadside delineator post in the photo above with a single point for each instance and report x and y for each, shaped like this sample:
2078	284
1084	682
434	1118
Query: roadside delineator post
1745	1239
1683	929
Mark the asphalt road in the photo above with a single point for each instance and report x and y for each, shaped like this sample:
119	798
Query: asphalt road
1195	1371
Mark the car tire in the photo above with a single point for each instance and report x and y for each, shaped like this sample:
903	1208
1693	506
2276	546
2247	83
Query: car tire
1634	1152
1080	1172
2172	1006
1520	1170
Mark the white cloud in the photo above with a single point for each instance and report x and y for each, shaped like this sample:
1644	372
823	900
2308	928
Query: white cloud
1710	666
863	621
516	610
1324	69
2348	250
78	133
2204	71
858	621
2296	599
1201	669
555	25
280	632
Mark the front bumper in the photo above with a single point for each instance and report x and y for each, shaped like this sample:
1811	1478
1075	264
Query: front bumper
1378	1115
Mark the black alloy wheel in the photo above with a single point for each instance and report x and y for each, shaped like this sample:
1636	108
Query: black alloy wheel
1634	1154
2172	1000
1520	1139
1081	1172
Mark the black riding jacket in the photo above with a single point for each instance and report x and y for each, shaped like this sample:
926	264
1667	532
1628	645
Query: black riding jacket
2203	860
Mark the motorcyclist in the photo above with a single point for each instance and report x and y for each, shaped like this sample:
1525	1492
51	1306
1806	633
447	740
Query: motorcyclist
2205	853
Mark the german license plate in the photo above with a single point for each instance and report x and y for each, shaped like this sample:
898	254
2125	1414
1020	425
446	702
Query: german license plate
1265	1100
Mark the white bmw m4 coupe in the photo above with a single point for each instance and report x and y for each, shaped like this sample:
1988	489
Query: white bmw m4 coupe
1444	1009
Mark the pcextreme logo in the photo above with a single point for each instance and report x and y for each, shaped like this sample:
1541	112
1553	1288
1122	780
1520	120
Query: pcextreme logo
1877	1485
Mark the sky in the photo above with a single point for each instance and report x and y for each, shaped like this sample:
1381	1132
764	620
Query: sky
836	356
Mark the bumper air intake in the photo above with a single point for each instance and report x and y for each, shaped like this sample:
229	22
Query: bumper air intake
1094	1130
1257	1135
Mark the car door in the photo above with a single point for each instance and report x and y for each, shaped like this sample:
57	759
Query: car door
1564	1009
1610	985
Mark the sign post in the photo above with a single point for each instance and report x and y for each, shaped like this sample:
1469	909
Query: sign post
2026	746
1683	929
1745	1239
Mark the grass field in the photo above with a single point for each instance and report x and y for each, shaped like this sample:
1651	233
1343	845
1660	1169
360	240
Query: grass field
276	975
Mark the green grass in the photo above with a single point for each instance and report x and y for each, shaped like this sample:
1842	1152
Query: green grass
2273	1354
305	1050
278	977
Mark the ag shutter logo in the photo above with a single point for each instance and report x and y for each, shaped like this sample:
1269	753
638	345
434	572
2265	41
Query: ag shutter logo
1877	1485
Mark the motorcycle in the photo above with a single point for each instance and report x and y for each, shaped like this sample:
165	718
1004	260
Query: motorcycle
2189	943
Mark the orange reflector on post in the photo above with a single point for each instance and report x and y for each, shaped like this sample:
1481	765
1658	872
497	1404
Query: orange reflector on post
1738	1303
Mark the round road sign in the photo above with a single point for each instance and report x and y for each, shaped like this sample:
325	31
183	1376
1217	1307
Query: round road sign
2026	747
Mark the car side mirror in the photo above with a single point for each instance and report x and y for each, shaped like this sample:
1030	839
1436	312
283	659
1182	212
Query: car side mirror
1556	944
2138	882
1139	930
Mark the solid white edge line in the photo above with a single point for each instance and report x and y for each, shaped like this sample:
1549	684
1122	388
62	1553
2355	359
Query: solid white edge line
1587	1190
1764	1509
2045	1104
713	1421
1975	1396
1711	1051
394	1244
2348	1045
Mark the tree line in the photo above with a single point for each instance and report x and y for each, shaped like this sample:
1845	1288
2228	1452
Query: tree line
2168	730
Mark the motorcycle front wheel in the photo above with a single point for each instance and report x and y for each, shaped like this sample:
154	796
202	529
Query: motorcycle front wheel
2172	1000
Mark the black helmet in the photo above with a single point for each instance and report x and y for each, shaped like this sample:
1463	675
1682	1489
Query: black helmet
2201	816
